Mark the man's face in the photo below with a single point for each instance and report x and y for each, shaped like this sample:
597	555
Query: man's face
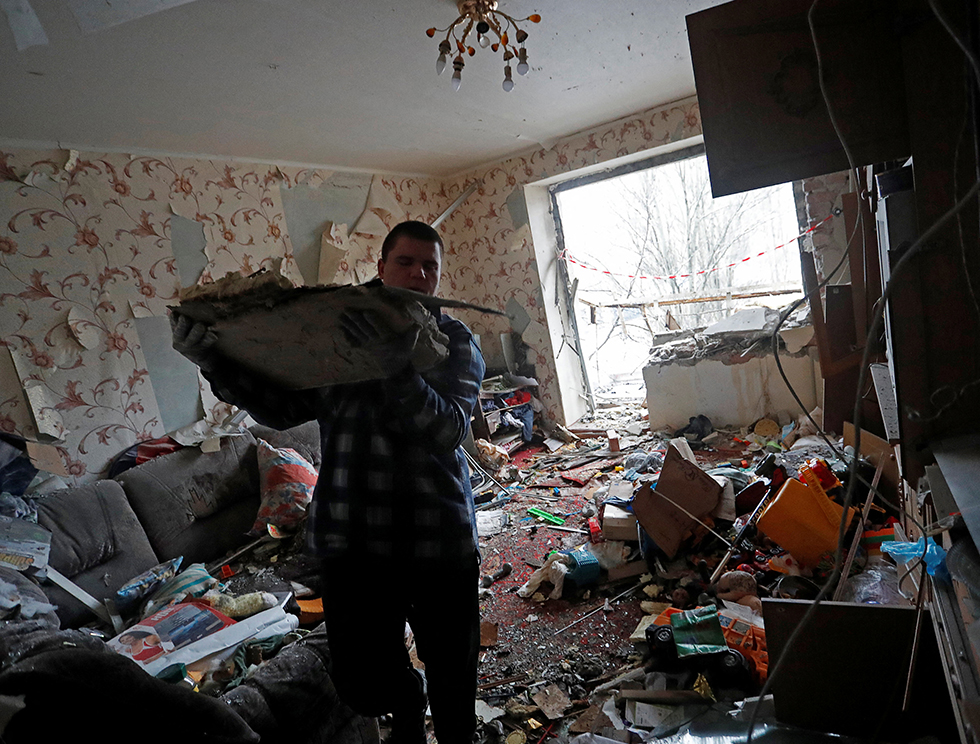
412	264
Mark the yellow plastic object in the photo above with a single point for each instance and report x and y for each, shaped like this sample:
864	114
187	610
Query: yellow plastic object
804	521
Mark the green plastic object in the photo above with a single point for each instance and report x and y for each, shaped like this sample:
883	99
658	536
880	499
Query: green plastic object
545	515
698	631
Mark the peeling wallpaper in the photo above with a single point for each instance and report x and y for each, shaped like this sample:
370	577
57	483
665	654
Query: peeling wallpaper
85	247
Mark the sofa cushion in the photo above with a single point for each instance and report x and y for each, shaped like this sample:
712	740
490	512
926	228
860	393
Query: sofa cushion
96	541
304	438
292	699
196	504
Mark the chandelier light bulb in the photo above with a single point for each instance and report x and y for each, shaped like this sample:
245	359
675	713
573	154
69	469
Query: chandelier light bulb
522	65
482	19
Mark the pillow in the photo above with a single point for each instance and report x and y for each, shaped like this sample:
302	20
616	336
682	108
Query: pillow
286	482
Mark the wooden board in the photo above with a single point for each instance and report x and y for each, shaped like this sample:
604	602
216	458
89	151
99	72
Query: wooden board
754	62
874	449
846	672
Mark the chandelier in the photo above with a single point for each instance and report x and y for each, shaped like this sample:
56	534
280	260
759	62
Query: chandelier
487	20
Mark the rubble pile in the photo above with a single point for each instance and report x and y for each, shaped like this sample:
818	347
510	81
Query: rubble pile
636	563
624	573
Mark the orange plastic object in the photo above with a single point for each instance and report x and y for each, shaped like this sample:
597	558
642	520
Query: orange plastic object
745	638
751	642
310	611
804	521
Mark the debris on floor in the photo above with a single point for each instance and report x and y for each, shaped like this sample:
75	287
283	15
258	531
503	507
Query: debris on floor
636	561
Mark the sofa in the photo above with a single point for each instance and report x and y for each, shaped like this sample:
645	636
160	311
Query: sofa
187	503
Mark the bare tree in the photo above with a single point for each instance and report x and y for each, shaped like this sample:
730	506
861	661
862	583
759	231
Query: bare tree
663	222
675	229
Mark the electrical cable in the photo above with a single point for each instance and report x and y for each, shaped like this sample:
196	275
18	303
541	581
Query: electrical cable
914	250
782	319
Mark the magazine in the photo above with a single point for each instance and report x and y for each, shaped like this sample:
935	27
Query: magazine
186	632
173	627
24	546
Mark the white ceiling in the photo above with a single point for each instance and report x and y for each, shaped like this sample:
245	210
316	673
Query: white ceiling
339	83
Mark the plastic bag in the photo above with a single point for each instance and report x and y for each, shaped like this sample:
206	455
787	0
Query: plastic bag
904	552
610	553
555	569
877	584
193	581
146	583
643	462
490	455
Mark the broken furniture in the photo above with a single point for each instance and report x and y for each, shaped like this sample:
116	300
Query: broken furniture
201	506
503	408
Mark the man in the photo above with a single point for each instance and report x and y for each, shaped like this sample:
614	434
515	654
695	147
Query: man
392	514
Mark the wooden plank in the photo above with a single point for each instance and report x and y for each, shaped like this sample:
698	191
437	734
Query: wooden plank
959	460
666	697
854	210
875	449
829	365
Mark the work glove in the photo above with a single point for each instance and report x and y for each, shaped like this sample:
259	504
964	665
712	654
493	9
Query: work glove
364	328
194	340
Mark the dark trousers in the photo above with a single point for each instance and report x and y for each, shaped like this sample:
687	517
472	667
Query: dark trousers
366	605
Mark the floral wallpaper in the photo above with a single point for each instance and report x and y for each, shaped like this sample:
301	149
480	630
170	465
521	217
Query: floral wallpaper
85	248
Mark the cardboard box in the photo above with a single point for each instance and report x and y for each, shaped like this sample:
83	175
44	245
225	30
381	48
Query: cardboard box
628	570
684	493
618	524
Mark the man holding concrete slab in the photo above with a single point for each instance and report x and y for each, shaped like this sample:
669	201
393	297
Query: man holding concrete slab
392	515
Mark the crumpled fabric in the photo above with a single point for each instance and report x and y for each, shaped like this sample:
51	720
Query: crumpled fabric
525	415
16	507
555	569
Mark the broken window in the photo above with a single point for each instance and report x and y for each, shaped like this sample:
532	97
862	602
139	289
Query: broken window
648	251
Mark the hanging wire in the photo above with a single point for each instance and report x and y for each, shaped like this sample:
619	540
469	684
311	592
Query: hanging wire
913	251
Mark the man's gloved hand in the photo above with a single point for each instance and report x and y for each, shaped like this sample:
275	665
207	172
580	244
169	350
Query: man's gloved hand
363	328
194	340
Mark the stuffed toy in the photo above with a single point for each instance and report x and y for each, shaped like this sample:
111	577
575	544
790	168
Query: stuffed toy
740	587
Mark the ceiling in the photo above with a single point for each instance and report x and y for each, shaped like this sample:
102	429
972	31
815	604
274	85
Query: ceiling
337	83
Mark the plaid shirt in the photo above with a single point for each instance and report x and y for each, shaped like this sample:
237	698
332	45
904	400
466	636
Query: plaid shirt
393	482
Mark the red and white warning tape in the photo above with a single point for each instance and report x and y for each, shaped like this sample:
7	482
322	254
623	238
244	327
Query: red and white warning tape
564	255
